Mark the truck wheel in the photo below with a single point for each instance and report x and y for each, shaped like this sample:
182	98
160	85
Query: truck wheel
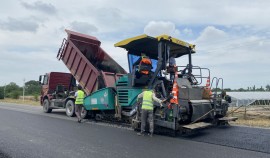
70	108
46	106
84	113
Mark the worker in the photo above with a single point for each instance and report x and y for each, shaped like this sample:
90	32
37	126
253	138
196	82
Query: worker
172	67
147	109
172	62
79	96
225	96
144	65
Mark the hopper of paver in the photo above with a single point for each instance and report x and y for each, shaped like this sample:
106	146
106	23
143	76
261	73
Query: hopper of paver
90	65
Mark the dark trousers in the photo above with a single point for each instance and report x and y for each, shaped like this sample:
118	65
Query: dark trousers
78	111
147	115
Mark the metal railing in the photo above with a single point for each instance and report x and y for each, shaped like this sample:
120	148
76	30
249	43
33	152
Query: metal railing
199	77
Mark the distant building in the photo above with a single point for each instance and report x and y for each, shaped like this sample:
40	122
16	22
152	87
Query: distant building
249	98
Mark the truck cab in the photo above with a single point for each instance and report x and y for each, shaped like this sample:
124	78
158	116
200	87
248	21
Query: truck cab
57	92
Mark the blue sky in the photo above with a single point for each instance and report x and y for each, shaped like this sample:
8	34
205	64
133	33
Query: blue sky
231	37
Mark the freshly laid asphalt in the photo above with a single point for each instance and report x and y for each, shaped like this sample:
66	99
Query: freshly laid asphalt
25	131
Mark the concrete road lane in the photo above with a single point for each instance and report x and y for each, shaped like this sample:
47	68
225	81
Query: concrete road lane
27	132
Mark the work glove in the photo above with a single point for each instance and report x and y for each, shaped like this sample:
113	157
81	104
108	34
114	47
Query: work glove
162	102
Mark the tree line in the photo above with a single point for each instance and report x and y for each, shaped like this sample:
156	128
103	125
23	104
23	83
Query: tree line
32	88
12	90
248	89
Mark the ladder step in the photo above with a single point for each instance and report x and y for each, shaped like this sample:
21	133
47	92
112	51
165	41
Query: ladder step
228	119
197	125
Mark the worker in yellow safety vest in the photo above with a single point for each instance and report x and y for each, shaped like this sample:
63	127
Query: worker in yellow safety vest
79	95
148	98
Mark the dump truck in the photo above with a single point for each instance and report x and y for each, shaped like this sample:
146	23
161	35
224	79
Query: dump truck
112	92
88	63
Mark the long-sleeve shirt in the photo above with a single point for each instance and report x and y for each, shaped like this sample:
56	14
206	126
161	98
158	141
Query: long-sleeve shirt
154	98
172	61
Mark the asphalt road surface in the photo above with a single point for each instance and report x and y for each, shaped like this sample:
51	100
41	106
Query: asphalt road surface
25	131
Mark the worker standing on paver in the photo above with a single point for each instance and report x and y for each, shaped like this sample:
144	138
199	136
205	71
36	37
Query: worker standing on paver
79	95
147	110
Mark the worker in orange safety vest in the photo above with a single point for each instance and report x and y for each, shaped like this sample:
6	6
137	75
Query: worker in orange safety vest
144	64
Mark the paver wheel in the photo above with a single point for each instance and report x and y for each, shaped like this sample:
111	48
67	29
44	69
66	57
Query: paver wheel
84	113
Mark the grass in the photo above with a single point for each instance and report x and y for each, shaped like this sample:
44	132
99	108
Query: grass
256	116
20	101
258	122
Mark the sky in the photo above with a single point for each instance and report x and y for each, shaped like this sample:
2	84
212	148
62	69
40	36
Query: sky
232	38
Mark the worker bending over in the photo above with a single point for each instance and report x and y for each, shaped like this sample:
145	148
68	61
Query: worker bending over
147	110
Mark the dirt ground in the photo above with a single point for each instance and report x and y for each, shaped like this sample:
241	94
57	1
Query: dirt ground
20	101
254	116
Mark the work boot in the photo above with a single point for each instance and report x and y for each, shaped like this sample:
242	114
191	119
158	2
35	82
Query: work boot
140	134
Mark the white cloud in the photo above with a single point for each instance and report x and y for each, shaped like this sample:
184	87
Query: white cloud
83	27
211	34
156	28
188	31
26	24
47	8
231	37
238	59
28	65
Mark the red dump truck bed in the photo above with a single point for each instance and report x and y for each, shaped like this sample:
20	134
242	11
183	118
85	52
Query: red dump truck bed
91	66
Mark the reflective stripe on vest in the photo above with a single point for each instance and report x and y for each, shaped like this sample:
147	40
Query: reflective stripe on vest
80	97
147	103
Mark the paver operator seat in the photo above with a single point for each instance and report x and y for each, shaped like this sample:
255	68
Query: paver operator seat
142	70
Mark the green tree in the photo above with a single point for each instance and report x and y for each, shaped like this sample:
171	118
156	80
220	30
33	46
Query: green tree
260	89
2	93
12	89
32	87
267	87
241	89
227	89
15	94
216	89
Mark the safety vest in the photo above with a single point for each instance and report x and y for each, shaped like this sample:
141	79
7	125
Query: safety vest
147	103
80	97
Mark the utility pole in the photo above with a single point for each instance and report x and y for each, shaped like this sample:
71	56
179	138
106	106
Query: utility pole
5	91
23	88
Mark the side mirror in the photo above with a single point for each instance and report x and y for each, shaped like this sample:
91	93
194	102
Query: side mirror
40	78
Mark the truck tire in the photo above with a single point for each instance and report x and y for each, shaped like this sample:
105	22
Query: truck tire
70	108
46	106
84	113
